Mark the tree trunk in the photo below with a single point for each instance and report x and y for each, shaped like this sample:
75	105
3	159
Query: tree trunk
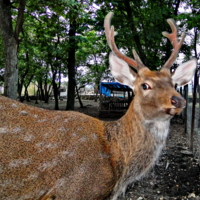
11	69
79	98
40	89
10	41
26	95
55	91
10	50
71	63
96	91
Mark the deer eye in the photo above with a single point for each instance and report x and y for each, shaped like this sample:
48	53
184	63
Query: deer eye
145	86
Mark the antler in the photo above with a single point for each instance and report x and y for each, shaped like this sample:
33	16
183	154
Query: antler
110	36
174	41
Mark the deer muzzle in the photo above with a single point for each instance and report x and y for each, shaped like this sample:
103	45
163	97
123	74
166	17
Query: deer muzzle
178	102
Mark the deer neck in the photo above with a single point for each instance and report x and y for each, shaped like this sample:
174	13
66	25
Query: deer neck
134	137
134	124
135	145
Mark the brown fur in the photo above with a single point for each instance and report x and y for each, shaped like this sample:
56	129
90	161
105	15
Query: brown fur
68	155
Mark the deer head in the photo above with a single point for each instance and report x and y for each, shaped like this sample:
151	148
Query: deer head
154	90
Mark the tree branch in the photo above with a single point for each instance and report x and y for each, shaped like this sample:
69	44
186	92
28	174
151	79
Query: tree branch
20	16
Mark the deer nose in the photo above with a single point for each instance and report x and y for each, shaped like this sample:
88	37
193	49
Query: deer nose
178	102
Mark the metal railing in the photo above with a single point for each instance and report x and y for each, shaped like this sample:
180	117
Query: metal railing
191	115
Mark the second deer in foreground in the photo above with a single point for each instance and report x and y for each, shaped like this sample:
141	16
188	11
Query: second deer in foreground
71	156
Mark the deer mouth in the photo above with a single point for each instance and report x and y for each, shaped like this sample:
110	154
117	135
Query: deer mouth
177	105
173	111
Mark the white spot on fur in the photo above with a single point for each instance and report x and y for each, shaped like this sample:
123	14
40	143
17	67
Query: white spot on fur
95	136
33	176
60	182
66	120
41	192
19	162
68	153
39	145
103	156
42	120
23	112
16	130
3	130
48	134
80	128
83	139
14	105
42	146
82	169
62	129
57	117
51	145
75	134
28	138
47	165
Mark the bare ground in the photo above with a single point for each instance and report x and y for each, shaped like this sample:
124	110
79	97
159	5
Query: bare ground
176	174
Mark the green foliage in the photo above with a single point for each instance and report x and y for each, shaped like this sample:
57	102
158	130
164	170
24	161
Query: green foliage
139	25
44	41
190	14
90	55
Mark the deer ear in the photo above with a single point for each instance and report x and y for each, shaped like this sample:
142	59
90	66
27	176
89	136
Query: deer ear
121	71
184	72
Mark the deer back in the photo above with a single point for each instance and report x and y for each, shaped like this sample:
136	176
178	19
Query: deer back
47	154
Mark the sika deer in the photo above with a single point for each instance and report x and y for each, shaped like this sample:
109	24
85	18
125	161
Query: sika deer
70	156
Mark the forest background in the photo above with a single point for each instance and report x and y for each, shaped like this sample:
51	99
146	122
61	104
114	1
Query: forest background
42	42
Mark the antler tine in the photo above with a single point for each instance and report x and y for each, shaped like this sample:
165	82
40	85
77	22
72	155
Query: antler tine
110	36
107	27
137	58
174	41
